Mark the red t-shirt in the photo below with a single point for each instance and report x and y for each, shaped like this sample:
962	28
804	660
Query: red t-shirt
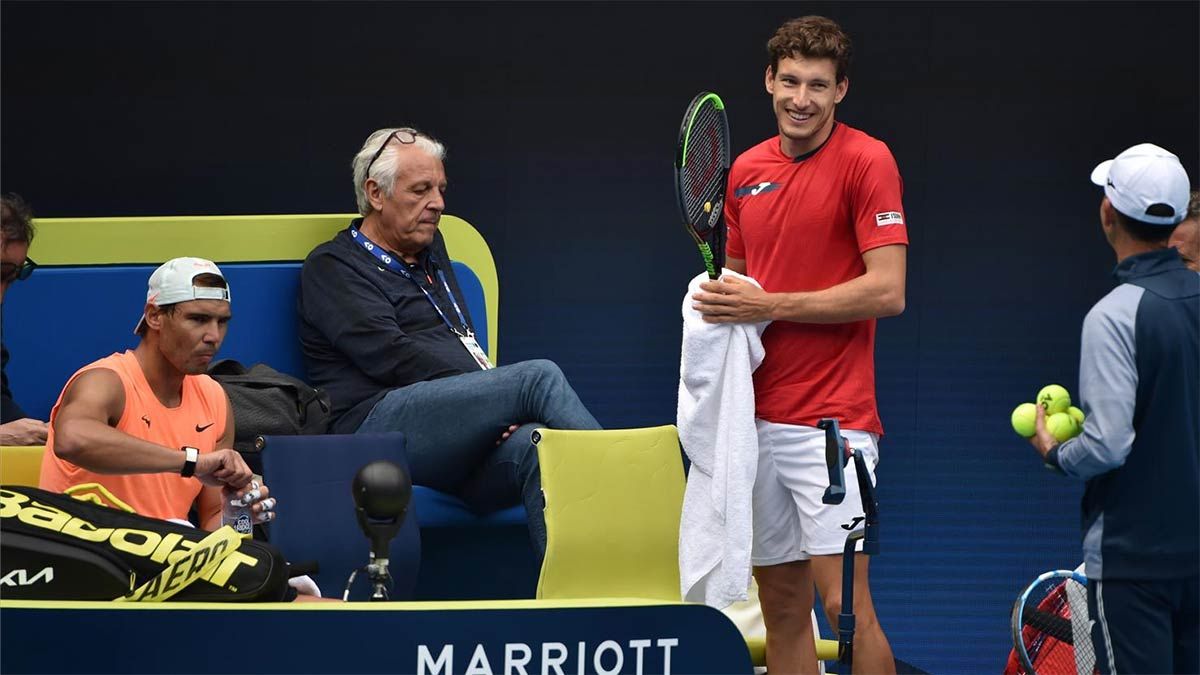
802	225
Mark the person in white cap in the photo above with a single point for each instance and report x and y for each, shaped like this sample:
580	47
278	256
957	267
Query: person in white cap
148	424
1139	379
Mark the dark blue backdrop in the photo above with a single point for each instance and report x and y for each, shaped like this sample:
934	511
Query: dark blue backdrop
560	121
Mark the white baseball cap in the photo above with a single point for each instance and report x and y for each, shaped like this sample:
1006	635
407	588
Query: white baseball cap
172	283
1146	183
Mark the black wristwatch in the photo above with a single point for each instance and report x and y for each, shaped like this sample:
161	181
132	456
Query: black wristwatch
190	455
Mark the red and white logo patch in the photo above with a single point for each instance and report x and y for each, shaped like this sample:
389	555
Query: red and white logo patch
889	218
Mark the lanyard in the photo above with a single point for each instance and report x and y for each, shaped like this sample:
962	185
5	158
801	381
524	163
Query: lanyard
391	263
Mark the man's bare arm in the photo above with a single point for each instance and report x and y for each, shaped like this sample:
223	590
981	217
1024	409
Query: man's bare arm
25	431
878	292
85	433
209	503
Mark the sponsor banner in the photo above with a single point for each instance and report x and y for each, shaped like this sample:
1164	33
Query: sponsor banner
504	638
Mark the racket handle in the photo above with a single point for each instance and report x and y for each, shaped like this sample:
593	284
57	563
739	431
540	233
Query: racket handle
709	263
835	453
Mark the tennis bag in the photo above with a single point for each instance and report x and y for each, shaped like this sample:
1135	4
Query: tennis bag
56	547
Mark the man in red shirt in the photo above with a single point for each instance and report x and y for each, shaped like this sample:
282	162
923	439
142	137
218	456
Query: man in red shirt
815	216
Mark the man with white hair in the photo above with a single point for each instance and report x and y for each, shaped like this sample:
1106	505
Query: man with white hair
1139	379
386	331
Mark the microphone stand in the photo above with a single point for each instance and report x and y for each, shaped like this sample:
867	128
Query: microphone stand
382	490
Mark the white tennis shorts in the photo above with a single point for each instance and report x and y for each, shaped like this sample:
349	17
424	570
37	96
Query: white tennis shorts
790	520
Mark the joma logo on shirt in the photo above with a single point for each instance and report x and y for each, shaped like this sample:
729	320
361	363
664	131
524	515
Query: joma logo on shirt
752	190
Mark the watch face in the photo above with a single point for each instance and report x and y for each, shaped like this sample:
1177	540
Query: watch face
190	455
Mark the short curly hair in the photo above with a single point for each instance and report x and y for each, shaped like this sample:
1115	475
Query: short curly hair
16	219
811	37
1194	204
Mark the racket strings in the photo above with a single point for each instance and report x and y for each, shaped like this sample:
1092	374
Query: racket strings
703	168
1056	630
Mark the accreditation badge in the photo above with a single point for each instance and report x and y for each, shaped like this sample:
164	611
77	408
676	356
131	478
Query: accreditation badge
476	351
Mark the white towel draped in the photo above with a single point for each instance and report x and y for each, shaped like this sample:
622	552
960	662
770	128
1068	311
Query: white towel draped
716	427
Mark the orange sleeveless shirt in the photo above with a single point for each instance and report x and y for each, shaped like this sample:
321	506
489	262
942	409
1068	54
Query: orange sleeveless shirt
199	421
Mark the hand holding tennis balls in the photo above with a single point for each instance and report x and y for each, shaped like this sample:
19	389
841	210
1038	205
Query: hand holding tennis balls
1053	399
1055	420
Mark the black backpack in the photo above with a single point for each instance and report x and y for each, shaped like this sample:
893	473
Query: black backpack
268	402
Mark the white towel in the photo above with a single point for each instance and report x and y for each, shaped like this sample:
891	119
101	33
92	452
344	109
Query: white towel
716	427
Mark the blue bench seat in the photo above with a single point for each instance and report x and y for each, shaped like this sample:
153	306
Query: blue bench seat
85	298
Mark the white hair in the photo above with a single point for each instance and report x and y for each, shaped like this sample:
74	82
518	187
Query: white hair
384	170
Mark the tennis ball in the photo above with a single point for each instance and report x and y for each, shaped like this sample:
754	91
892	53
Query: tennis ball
1054	398
1062	426
1024	420
1077	415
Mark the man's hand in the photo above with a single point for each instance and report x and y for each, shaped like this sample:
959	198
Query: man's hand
732	300
25	431
1042	440
508	432
257	497
223	468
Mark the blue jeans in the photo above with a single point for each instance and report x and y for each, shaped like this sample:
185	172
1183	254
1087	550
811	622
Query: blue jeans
451	427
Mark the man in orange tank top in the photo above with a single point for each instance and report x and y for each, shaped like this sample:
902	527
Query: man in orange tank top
148	424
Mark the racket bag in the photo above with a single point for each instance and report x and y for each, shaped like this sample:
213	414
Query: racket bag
55	547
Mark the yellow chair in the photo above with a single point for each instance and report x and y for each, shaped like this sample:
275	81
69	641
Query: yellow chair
613	504
613	501
21	465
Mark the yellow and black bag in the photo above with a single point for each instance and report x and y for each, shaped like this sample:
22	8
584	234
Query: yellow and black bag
55	547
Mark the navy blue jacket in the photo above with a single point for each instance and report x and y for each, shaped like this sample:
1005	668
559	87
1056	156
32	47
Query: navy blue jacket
1139	380
366	330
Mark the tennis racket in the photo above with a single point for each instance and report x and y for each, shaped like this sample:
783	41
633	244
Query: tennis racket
701	169
1050	627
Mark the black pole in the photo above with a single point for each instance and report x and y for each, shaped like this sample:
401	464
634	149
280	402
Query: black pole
837	454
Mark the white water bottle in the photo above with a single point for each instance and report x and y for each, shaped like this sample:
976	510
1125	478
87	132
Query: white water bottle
235	515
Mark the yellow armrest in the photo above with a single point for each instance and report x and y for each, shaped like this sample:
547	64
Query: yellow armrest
827	650
21	465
